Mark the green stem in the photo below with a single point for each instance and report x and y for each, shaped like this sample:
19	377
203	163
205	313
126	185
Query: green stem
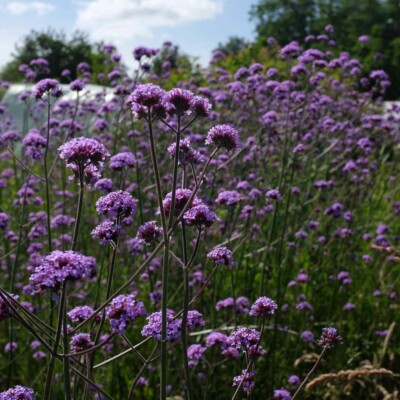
310	372
79	209
108	290
185	313
50	370
46	176
163	377
175	174
139	374
63	315
66	377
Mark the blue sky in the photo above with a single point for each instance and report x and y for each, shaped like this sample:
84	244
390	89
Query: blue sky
197	26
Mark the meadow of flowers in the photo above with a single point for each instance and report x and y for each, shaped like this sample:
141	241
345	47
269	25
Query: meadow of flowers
232	237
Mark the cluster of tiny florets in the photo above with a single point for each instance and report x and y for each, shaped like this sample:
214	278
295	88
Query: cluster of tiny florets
182	197
154	323
34	144
118	204
60	266
122	160
83	152
244	338
222	255
123	310
246	380
18	393
50	86
81	342
200	216
106	232
224	136
329	337
81	313
148	232
263	306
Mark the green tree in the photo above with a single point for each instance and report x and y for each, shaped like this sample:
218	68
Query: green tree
60	51
288	20
233	46
174	66
285	20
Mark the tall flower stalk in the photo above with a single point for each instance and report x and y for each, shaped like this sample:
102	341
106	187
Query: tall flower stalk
165	266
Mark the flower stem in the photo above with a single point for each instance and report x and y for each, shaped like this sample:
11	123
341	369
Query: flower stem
50	370
108	290
163	377
66	377
139	374
175	174
185	313
62	314
79	209
325	348
46	176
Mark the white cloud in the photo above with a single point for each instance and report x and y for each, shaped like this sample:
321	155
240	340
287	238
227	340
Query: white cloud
135	20
19	7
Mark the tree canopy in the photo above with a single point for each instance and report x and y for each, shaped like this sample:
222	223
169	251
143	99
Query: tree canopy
288	20
60	51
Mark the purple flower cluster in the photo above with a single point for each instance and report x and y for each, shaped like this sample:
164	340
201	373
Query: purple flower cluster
187	154
224	136
142	51
118	204
122	160
273	194
263	307
60	266
282	394
195	353
194	320
222	256
329	337
83	152
229	302
106	232
147	97
244	338
9	137
81	342
61	220
246	380
4	218
77	85
123	310
216	338
50	86
18	393
201	106
200	216
229	197
182	197
34	144
105	185
153	327
179	101
81	313
148	232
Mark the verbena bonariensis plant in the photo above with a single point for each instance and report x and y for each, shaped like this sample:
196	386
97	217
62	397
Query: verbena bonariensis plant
193	242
